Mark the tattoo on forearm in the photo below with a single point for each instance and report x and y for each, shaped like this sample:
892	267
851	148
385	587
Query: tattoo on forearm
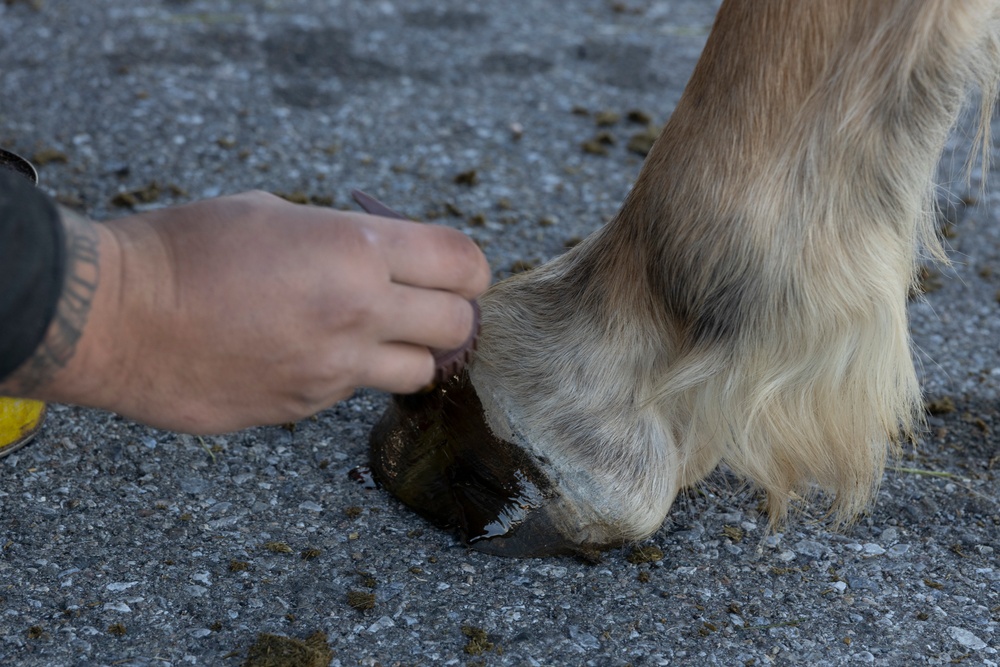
72	310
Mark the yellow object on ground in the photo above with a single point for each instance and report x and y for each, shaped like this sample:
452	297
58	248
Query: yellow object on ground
20	420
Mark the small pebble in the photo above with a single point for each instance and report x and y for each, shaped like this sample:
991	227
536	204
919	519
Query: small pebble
553	571
897	550
966	638
584	639
811	548
383	623
119	586
193	485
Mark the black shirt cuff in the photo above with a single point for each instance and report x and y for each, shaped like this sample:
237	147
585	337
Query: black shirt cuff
32	268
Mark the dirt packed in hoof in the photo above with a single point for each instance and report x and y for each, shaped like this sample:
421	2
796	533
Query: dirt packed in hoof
279	651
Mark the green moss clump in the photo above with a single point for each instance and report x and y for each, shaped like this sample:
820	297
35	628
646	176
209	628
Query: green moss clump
46	156
642	142
522	265
297	197
592	147
278	651
606	118
649	554
144	195
478	643
361	600
639	117
734	533
941	406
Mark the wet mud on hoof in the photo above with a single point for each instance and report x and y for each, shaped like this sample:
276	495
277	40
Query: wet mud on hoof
435	452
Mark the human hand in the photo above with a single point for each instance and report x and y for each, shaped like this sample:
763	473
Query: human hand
249	310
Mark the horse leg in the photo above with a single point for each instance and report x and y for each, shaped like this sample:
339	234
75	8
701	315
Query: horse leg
747	304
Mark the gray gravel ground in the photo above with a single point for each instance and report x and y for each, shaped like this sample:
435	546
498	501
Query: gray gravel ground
122	545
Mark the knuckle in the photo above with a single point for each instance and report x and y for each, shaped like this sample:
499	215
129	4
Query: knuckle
362	239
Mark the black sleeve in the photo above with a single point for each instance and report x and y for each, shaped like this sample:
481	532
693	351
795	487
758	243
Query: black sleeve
32	268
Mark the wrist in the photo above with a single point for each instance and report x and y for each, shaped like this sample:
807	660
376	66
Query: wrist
69	364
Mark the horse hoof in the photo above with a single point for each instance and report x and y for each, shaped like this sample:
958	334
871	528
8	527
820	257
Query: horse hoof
435	452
